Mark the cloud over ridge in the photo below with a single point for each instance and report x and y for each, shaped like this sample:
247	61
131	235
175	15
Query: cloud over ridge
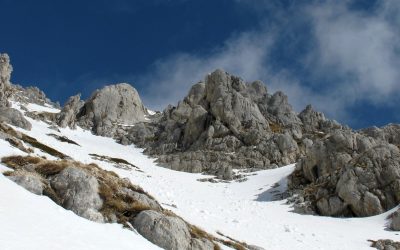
354	59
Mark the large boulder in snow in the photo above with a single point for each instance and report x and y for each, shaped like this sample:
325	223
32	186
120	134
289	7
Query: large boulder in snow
111	106
165	231
168	232
28	180
79	192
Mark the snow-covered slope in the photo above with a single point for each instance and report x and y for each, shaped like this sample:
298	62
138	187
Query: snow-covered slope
244	211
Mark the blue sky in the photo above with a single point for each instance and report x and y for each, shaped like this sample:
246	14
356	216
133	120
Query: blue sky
340	56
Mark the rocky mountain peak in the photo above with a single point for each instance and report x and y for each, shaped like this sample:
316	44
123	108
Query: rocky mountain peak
107	109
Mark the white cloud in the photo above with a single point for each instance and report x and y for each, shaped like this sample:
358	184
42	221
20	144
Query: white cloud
361	50
171	78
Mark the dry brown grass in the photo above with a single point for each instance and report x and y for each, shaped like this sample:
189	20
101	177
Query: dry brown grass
8	173
32	141
48	168
217	247
36	144
232	242
17	161
63	139
275	127
114	201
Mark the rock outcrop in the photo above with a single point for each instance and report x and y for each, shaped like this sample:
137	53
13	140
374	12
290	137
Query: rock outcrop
395	220
5	76
389	133
7	114
106	112
14	117
67	116
386	245
168	232
349	174
224	124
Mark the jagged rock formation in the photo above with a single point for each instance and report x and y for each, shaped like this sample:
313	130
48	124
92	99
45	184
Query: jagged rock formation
389	133
14	117
5	76
349	174
225	123
106	110
67	116
25	95
8	114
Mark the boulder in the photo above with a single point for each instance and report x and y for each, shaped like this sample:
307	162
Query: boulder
14	117
30	181
168	232
386	245
67	116
79	192
201	244
110	107
141	198
395	221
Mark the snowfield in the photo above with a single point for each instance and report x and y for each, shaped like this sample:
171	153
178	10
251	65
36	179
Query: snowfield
244	211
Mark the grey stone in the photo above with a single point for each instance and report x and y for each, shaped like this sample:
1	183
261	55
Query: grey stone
395	221
201	244
142	199
14	117
5	75
168	232
111	107
389	133
79	192
30	181
222	124
356	175
386	245
67	116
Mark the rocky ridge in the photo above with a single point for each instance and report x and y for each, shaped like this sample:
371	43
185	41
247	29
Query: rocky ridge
224	124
